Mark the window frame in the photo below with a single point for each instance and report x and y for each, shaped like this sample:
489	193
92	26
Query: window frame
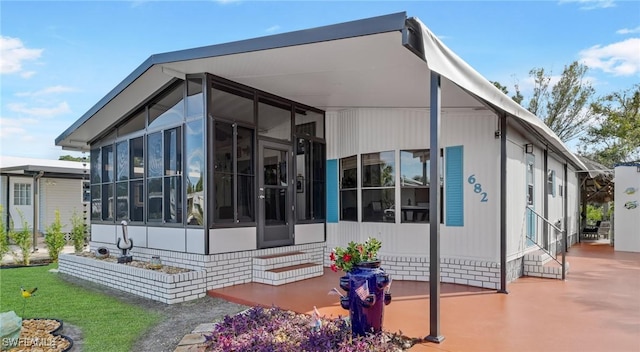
375	208
426	185
22	194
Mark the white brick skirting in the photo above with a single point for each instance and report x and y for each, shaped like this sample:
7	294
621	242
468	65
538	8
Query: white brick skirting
452	270
207	271
150	284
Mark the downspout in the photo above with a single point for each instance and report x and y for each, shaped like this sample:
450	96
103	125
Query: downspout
36	206
503	204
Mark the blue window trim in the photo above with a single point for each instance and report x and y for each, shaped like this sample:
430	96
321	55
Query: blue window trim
454	191
333	199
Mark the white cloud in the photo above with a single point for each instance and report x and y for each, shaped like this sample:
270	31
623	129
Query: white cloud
46	91
13	53
629	30
273	29
591	4
21	108
621	58
27	74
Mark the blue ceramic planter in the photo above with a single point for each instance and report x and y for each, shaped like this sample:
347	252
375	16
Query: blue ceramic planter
365	285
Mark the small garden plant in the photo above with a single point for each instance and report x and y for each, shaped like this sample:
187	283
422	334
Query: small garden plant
4	241
346	258
78	228
54	238
273	329
22	239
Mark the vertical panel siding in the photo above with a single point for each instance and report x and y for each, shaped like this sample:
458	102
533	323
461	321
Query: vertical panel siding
64	195
516	196
480	235
397	129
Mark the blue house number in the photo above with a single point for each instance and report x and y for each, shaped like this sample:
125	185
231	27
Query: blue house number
477	188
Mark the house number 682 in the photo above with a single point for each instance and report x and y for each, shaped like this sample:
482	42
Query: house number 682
477	188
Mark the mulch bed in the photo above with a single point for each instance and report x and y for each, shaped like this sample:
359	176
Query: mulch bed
41	335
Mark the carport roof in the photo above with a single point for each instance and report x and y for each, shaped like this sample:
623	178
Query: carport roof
363	63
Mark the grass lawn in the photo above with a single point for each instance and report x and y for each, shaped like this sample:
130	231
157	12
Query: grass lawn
107	324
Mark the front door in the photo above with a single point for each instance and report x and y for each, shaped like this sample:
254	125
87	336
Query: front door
275	206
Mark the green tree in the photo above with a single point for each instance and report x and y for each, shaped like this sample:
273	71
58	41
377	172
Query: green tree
71	158
615	137
563	106
517	97
54	238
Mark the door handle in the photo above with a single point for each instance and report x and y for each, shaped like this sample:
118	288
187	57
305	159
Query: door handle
261	196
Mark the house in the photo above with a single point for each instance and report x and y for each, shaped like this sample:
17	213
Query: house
32	190
236	158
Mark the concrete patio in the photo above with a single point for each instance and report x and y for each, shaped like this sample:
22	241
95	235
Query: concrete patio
596	309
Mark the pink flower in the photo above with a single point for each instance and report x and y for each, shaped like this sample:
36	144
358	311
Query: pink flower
332	256
346	257
334	268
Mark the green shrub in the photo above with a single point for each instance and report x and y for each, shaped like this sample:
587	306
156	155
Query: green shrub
594	213
78	228
54	238
22	239
4	241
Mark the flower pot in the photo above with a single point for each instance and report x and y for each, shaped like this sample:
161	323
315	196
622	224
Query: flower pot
366	297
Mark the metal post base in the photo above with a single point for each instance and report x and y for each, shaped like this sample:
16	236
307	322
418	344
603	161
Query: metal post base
436	339
503	291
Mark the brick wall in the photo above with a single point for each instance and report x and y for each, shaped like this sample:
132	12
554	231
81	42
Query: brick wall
452	270
207	271
150	284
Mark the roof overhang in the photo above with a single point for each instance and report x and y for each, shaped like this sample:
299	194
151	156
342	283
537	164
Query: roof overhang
48	168
364	63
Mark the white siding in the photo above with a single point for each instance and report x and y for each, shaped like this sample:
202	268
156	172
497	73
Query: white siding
232	240
374	130
572	190
168	238
64	195
556	203
309	233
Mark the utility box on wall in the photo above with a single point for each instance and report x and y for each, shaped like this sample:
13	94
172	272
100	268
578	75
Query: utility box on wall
627	208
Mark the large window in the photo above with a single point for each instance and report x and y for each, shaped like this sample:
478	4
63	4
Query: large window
164	180
349	188
415	185
107	183
136	183
21	194
122	180
233	173
378	186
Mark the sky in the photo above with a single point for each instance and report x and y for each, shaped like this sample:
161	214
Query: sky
59	58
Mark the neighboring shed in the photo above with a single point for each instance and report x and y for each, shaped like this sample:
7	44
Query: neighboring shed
627	208
33	189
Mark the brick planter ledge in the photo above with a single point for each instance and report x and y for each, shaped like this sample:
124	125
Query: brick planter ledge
158	286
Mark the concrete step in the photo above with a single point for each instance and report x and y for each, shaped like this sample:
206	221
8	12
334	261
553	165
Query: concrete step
288	274
283	268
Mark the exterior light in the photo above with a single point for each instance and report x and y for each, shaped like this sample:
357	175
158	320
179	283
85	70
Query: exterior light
528	148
